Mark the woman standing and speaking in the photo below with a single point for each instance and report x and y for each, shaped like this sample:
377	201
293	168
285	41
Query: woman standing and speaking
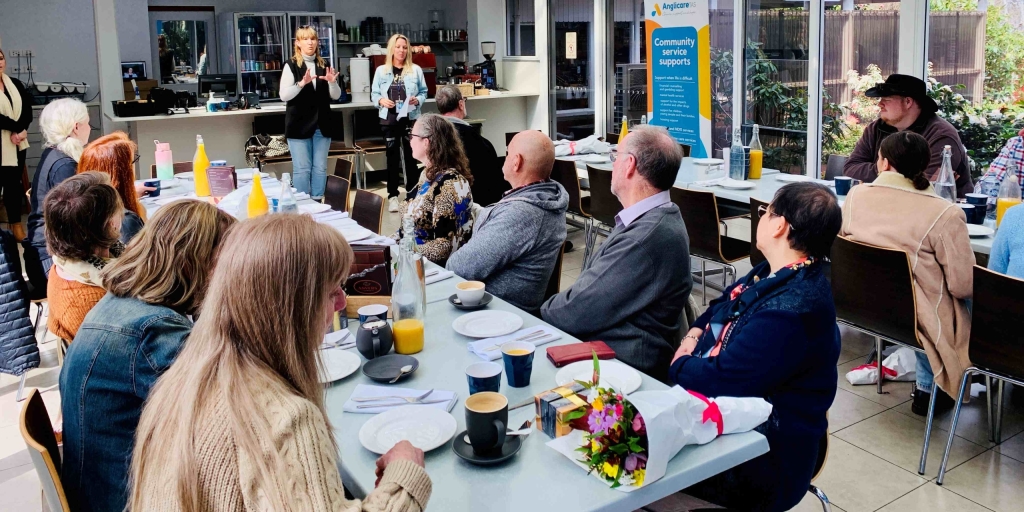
396	82
15	116
308	85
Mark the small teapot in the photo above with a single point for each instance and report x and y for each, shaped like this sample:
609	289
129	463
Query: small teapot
373	339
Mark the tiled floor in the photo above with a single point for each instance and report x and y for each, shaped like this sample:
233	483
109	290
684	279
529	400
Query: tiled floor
875	440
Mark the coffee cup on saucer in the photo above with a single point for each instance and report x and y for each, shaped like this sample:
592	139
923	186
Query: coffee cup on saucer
470	292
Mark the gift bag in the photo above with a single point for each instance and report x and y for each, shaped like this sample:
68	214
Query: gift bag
901	365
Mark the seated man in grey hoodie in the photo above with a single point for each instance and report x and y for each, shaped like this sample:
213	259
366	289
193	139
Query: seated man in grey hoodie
632	295
516	241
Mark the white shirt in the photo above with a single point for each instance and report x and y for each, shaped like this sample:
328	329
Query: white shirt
290	88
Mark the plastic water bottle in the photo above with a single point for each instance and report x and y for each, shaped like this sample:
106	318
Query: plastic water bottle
945	184
164	161
738	157
286	201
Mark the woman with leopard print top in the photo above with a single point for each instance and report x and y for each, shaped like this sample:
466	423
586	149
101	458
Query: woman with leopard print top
440	202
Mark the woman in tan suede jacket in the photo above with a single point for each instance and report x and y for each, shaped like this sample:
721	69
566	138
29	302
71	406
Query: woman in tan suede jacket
900	210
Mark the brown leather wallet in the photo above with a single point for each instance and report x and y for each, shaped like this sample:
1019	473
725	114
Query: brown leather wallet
565	354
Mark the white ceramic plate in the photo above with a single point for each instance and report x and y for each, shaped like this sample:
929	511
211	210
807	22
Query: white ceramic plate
184	176
339	363
979	231
487	324
792	178
425	427
354	234
247	175
736	184
621	376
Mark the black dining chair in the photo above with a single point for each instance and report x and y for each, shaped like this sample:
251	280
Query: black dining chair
756	256
603	205
344	167
564	172
699	210
336	193
995	350
37	432
368	210
834	166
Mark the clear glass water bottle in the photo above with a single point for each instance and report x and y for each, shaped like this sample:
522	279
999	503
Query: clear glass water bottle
408	294
286	202
945	183
737	157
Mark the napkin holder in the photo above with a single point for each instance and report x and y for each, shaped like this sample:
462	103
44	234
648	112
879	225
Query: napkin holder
553	406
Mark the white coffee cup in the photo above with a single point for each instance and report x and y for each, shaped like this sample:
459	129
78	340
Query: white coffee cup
470	292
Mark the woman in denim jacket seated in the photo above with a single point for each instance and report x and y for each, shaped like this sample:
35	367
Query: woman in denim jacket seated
773	335
127	341
396	83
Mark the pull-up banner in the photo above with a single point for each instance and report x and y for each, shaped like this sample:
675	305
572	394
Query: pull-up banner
679	71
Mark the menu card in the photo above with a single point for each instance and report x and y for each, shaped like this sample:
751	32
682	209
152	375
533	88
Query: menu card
222	180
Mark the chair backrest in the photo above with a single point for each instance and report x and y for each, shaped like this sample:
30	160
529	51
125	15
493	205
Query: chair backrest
995	328
888	306
756	257
700	215
336	193
687	149
368	210
555	281
343	168
37	432
834	167
611	138
179	167
564	172
604	206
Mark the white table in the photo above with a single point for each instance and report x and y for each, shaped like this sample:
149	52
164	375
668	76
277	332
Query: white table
537	478
764	190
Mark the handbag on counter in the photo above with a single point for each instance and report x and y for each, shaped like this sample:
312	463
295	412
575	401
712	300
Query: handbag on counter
264	146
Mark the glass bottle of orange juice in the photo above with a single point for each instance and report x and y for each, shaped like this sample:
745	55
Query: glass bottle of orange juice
756	155
1009	193
408	294
200	162
258	204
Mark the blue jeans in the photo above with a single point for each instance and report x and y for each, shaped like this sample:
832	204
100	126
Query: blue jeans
925	376
309	164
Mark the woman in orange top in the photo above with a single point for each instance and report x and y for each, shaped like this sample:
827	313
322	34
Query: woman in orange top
83	219
115	155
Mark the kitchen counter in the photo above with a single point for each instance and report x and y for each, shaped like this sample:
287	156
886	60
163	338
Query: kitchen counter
225	132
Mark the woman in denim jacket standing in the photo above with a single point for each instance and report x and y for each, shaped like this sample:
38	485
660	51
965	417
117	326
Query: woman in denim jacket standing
396	83
127	341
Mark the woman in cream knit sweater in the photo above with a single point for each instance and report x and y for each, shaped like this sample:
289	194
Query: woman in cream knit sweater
238	421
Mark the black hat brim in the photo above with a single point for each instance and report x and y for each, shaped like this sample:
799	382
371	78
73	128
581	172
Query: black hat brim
882	90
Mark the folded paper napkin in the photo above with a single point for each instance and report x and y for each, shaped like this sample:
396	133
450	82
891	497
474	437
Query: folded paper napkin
330	215
440	276
490	348
366	391
710	183
336	338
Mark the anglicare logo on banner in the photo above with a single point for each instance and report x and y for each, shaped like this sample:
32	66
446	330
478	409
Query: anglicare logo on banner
670	8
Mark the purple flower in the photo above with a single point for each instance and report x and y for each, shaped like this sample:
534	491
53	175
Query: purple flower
635	461
600	422
638	424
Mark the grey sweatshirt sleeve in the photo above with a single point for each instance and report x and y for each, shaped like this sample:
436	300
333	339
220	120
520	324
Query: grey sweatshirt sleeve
490	249
606	293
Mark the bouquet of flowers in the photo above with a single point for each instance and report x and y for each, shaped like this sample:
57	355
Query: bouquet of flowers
628	441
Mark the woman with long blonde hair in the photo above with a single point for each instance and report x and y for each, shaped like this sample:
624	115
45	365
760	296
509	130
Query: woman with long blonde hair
115	155
307	117
127	341
64	125
396	82
440	203
238	422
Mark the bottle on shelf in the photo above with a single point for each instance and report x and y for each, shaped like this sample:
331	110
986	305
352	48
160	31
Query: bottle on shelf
164	161
200	162
737	157
408	294
1009	192
756	155
643	119
286	202
945	183
257	203
263	88
624	130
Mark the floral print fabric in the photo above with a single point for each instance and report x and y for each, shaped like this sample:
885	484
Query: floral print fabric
441	215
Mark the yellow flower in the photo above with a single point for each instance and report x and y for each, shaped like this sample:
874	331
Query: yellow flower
638	477
598	404
595	446
611	469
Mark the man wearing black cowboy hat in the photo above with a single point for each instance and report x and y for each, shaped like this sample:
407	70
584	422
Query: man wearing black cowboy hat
904	105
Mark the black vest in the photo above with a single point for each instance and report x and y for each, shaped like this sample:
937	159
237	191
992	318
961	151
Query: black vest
311	109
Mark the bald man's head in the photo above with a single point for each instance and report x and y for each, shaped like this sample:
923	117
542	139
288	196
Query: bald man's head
531	155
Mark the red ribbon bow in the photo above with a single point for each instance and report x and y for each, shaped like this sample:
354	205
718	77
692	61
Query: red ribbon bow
712	413
572	148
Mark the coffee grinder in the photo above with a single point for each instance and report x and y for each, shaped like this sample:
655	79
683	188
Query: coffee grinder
488	68
459	69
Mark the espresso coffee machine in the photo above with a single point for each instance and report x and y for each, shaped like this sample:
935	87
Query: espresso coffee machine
488	68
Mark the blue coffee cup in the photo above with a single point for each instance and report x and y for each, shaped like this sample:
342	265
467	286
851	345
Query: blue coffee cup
969	212
153	184
518	359
369	310
844	184
483	377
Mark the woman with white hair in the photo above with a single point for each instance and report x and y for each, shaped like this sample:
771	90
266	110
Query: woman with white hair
64	124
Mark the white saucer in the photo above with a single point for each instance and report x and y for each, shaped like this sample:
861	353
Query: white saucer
979	231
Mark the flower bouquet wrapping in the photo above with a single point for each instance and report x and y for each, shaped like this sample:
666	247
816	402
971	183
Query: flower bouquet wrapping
627	442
